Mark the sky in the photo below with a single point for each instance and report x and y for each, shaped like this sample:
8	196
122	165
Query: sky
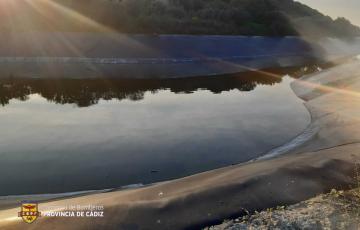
335	8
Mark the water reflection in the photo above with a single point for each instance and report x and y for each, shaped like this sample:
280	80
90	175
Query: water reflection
180	127
88	92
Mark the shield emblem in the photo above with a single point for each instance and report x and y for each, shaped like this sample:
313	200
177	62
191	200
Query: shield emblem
29	212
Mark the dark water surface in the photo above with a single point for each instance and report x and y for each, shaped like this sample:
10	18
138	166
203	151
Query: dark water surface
73	135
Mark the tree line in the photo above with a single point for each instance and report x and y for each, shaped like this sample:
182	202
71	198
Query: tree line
226	17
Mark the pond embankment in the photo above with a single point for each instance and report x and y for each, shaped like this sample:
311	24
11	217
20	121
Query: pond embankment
94	55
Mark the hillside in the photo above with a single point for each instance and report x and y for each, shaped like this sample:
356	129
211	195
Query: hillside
235	17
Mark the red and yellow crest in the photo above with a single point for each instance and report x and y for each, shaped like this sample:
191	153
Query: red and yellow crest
29	212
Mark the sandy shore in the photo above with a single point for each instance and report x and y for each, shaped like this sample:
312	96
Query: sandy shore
326	161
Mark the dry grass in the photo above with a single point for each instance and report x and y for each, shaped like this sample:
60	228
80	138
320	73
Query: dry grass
335	210
356	191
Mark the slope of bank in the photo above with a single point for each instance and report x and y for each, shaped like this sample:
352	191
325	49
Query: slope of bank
326	161
112	55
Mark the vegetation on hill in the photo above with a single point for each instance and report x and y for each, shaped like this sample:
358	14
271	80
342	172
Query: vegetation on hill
244	17
238	17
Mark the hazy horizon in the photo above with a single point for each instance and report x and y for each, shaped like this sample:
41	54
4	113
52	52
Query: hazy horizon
337	8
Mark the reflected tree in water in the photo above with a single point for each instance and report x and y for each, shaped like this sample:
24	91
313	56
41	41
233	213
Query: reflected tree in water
87	92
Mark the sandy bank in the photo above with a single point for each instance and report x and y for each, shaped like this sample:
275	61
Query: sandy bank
324	162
